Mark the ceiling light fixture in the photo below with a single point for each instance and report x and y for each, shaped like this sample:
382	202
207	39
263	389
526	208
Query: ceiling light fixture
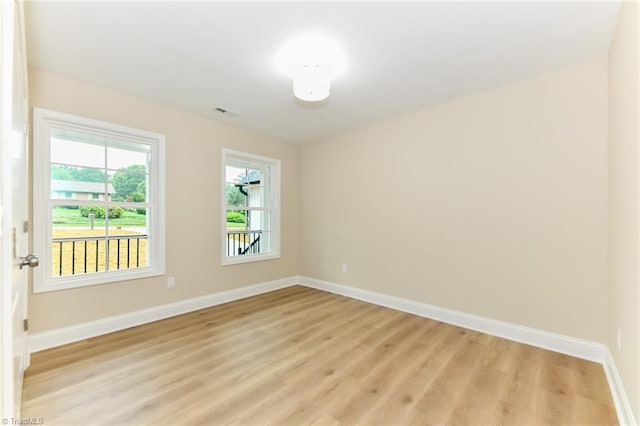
311	61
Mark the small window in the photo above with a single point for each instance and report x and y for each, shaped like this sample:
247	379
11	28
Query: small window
251	214
109	226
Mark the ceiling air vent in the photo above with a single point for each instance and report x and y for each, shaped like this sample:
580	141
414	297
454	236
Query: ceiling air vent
225	112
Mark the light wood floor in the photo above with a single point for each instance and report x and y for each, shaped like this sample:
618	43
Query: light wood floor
300	356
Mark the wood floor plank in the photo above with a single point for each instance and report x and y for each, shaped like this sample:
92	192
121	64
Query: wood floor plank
302	356
399	407
387	375
519	396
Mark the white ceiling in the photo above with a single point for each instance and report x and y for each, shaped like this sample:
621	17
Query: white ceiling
402	56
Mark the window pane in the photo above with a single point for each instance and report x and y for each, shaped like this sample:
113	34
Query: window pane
69	149
253	177
242	242
129	184
243	175
257	196
236	219
236	195
122	158
78	241
259	220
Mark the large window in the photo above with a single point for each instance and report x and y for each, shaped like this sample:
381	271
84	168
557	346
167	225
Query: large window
251	214
98	202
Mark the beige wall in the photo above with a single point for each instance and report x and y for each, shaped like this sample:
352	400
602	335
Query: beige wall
193	147
493	205
624	172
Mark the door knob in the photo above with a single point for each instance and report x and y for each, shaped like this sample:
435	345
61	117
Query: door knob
29	260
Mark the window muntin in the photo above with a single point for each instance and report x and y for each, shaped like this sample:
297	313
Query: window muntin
251	218
98	202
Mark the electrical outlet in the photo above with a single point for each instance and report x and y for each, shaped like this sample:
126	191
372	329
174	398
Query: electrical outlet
619	339
171	282
345	268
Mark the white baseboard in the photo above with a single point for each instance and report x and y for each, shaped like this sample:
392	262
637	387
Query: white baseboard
62	336
625	414
555	342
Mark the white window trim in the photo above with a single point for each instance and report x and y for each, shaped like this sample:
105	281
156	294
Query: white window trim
274	189
42	220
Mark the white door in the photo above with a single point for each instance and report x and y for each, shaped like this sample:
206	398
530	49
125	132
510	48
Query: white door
14	207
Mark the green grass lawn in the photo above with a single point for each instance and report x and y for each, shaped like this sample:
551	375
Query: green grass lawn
63	217
72	217
235	225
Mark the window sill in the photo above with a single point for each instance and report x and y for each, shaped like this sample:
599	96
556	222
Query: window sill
236	260
79	281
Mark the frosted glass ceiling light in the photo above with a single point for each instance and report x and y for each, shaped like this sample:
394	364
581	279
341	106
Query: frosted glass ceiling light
311	83
311	61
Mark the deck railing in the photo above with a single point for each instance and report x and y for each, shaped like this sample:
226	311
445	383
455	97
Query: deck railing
81	255
243	242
